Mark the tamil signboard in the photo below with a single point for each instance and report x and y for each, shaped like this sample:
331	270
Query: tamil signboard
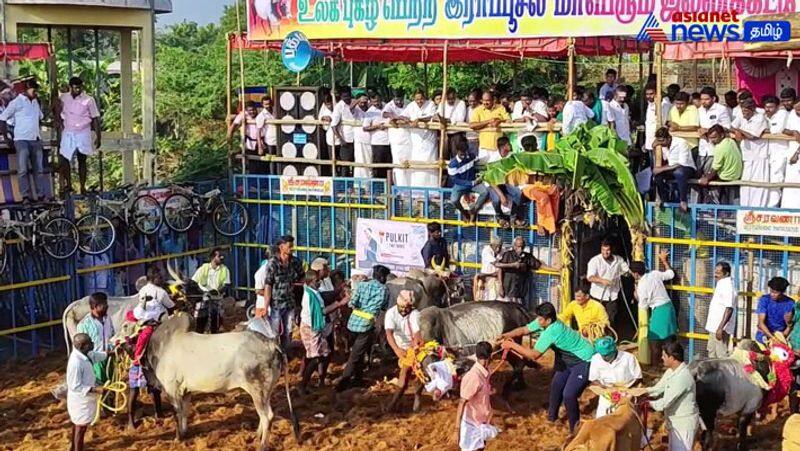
298	185
498	19
767	222
394	244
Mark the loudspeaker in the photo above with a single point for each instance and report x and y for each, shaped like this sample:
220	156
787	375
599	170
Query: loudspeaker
296	140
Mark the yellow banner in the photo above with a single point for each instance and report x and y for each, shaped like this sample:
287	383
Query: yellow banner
497	19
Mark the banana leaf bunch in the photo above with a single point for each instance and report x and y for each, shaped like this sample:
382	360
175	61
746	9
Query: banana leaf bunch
591	163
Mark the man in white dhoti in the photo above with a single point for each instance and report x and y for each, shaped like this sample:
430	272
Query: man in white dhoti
343	111
399	140
81	390
747	130
76	116
791	196
362	139
676	392
423	142
778	149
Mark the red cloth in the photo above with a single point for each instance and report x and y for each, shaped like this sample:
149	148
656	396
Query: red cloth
141	342
13	51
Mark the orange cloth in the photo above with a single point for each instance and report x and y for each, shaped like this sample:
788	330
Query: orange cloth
546	198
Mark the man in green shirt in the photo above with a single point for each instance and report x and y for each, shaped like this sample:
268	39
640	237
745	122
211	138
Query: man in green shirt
572	356
726	167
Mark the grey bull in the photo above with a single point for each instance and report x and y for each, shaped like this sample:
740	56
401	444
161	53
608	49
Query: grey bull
462	326
180	362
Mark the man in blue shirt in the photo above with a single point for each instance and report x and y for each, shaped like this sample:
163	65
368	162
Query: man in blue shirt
774	310
435	249
462	173
367	301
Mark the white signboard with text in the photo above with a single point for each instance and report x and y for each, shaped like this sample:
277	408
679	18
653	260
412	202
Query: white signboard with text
766	222
396	245
298	185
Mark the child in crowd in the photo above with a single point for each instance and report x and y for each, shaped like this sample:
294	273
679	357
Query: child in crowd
475	410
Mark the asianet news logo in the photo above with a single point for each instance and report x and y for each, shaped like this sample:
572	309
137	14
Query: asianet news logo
711	26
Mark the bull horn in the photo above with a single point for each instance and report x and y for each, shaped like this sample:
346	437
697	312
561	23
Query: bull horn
439	267
175	274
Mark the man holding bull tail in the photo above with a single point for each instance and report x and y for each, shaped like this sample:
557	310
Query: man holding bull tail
402	333
367	301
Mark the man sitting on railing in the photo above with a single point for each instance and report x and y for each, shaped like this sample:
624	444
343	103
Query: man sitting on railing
507	199
679	168
727	166
462	173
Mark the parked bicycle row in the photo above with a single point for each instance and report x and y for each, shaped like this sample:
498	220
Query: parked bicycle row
102	216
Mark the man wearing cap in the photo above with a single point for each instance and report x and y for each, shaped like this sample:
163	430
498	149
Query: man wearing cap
25	113
402	333
76	116
488	285
611	368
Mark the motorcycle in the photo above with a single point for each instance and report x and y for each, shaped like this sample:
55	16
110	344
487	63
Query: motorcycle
208	312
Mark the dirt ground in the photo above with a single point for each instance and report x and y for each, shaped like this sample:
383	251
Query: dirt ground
32	419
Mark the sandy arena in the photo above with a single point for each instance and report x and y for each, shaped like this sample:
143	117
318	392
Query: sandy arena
33	420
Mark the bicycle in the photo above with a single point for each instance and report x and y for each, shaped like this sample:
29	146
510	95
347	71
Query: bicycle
228	216
56	234
98	232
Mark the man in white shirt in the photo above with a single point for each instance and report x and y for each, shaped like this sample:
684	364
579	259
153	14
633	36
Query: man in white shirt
402	332
709	114
619	115
343	111
449	112
82	391
604	271
324	115
378	127
650	122
487	285
611	368
679	169
651	293
778	149
154	301
362	138
473	101
399	139
268	142
742	95
747	130
720	323
610	85
576	112
252	136
25	112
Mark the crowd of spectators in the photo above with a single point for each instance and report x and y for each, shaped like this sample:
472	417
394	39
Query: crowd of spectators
703	137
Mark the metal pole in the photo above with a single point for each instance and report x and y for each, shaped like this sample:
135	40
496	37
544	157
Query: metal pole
443	135
228	82
333	96
694	75
570	68
748	307
425	77
98	80
351	75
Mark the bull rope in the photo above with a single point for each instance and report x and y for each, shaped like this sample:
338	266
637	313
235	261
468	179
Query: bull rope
115	383
593	331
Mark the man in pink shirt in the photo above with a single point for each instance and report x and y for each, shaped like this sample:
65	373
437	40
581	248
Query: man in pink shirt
475	409
76	116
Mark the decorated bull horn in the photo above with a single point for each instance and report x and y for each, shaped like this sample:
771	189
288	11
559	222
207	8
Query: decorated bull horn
175	274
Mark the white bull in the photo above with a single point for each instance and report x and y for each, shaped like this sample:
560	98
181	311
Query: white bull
180	362
117	306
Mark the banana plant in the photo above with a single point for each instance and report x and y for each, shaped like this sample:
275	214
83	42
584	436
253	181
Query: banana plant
590	164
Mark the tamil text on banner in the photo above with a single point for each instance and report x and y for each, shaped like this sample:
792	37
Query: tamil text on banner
293	185
714	20
767	222
396	245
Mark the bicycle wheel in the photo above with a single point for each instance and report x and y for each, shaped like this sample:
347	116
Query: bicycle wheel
96	233
146	214
59	238
178	212
3	255
230	217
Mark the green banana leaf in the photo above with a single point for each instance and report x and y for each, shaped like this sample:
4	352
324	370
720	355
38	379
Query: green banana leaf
593	158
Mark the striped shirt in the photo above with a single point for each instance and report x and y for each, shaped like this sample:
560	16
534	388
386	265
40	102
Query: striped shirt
462	173
369	298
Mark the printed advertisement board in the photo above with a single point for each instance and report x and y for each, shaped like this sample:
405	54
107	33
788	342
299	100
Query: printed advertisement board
396	245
